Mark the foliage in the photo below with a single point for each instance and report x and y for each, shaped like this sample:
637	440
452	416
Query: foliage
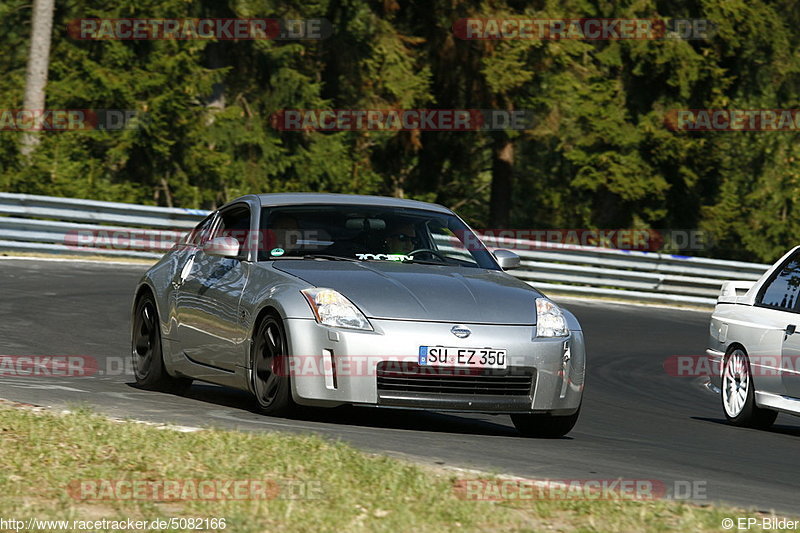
599	155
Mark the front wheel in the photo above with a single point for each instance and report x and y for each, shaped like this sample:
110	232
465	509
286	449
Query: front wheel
738	393
544	425
148	362
270	371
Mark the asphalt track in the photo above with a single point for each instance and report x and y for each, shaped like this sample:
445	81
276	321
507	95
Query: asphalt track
637	422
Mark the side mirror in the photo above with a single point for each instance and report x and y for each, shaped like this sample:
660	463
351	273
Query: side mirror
506	259
222	247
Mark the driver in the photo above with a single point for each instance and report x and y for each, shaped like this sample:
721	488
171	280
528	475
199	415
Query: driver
401	238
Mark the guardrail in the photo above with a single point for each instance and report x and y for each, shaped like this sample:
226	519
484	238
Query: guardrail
625	274
44	224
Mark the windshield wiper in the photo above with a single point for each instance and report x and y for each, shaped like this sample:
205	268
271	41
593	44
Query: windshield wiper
423	262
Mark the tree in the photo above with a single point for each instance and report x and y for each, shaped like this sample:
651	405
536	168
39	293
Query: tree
38	61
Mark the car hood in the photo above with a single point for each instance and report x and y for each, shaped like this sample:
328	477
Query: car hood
423	292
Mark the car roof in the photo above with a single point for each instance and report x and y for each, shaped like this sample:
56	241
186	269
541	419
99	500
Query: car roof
300	198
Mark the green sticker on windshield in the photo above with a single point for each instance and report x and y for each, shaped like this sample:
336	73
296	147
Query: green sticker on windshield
277	252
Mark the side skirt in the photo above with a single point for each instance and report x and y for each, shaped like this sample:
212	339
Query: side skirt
784	404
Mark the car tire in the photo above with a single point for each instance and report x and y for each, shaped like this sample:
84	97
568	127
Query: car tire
146	351
269	369
738	393
544	425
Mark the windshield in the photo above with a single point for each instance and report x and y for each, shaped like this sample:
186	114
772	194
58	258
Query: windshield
370	233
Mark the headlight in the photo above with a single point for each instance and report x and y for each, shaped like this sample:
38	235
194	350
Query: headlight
550	321
333	309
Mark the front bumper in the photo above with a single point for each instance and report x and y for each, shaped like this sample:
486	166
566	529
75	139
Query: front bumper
331	366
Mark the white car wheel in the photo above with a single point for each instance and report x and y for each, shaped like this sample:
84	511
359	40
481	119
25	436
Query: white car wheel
738	393
735	383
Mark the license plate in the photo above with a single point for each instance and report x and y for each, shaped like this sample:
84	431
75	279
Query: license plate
462	357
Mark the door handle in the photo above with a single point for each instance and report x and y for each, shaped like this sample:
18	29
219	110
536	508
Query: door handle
790	330
187	269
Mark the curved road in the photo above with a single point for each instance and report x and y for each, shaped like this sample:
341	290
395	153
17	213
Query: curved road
637	422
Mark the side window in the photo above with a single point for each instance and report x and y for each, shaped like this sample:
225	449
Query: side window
202	232
448	242
781	292
235	222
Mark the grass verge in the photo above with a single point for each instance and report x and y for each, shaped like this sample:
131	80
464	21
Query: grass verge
315	484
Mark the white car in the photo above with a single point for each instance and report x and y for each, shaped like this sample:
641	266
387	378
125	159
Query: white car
754	345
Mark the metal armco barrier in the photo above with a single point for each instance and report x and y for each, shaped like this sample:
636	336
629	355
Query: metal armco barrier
43	224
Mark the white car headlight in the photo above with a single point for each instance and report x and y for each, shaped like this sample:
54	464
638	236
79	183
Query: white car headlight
333	309
550	321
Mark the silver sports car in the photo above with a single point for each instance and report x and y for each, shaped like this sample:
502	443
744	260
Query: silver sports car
754	345
326	299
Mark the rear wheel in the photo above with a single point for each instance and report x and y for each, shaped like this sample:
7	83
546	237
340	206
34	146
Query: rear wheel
738	393
270	374
148	362
544	425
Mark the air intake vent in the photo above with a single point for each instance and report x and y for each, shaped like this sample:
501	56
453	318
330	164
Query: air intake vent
464	382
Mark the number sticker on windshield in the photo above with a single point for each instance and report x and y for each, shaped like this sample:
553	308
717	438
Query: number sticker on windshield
384	257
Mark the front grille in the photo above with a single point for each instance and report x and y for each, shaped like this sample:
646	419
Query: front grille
412	378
